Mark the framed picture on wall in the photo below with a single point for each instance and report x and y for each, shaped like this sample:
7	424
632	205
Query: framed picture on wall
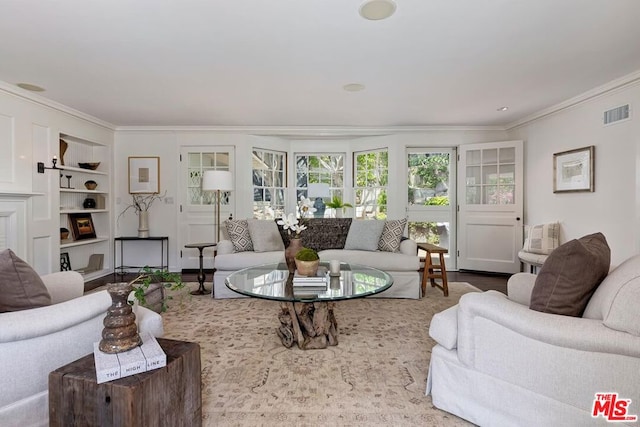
144	175
82	226
573	170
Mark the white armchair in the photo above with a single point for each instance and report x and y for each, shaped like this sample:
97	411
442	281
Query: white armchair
37	341
498	363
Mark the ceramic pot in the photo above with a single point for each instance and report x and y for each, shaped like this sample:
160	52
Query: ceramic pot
143	224
295	244
89	203
307	268
120	332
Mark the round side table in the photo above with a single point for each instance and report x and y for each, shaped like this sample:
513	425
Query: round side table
201	276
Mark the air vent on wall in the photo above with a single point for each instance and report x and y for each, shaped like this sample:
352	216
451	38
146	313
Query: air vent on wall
616	114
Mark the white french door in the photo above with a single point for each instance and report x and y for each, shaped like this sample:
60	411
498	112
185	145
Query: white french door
197	223
431	207
490	206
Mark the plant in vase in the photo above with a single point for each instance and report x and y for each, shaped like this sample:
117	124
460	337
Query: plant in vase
120	331
307	261
339	206
141	203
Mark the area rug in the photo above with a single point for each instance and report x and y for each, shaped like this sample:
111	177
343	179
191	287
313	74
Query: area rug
376	375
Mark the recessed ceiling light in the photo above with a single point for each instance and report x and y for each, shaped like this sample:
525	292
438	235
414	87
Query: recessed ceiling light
353	87
29	86
502	109
375	10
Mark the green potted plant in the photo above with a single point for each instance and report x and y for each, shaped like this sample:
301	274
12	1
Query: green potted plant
307	262
339	206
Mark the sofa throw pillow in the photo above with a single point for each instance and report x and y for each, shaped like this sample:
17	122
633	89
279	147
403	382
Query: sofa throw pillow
21	288
364	235
570	275
391	235
542	238
238	231
265	235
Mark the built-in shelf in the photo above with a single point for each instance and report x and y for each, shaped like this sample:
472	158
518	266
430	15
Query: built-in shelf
80	190
82	170
68	211
71	243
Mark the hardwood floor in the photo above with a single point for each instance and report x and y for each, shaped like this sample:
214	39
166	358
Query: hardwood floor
483	281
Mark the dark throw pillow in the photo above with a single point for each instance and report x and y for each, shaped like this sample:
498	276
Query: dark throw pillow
570	275
21	288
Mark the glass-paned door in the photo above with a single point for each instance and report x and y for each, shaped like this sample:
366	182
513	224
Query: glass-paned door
197	215
431	199
490	216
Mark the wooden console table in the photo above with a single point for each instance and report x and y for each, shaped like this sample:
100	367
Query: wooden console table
434	271
168	396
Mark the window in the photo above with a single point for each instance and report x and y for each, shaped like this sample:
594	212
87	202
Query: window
198	164
320	168
269	183
371	180
491	175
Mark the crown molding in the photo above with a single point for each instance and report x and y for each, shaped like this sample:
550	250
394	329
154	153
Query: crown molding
612	86
47	103
308	132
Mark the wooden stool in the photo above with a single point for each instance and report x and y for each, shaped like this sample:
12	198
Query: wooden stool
434	271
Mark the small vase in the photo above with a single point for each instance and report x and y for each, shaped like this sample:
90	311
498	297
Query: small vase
120	332
339	213
143	224
307	268
295	244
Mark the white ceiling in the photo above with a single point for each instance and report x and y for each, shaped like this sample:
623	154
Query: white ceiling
284	62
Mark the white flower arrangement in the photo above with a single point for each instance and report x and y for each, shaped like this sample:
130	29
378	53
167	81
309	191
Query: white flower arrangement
291	224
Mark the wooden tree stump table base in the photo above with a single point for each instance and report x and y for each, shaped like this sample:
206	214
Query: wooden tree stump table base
168	396
312	325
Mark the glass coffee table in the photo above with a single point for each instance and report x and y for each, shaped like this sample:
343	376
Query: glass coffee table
307	312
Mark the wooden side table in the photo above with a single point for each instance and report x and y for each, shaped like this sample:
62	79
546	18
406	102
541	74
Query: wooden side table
434	271
168	396
201	276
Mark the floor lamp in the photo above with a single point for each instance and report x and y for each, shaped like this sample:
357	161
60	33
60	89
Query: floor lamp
217	181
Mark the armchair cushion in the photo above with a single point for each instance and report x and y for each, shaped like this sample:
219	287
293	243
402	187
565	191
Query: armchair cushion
239	235
265	236
570	276
541	238
364	235
392	234
20	286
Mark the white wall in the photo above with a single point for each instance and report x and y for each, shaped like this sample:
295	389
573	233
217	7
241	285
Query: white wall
613	208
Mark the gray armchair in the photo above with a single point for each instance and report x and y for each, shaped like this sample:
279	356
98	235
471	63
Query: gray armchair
37	341
498	363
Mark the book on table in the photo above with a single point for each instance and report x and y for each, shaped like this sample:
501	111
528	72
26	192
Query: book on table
319	280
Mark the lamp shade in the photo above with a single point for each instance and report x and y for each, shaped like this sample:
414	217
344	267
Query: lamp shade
217	180
318	190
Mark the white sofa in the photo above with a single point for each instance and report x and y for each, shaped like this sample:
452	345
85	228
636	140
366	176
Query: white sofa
37	341
403	265
499	363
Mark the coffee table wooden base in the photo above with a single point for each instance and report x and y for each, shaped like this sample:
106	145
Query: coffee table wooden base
310	324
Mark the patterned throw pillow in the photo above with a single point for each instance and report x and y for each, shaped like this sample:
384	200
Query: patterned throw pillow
391	235
238	230
542	238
